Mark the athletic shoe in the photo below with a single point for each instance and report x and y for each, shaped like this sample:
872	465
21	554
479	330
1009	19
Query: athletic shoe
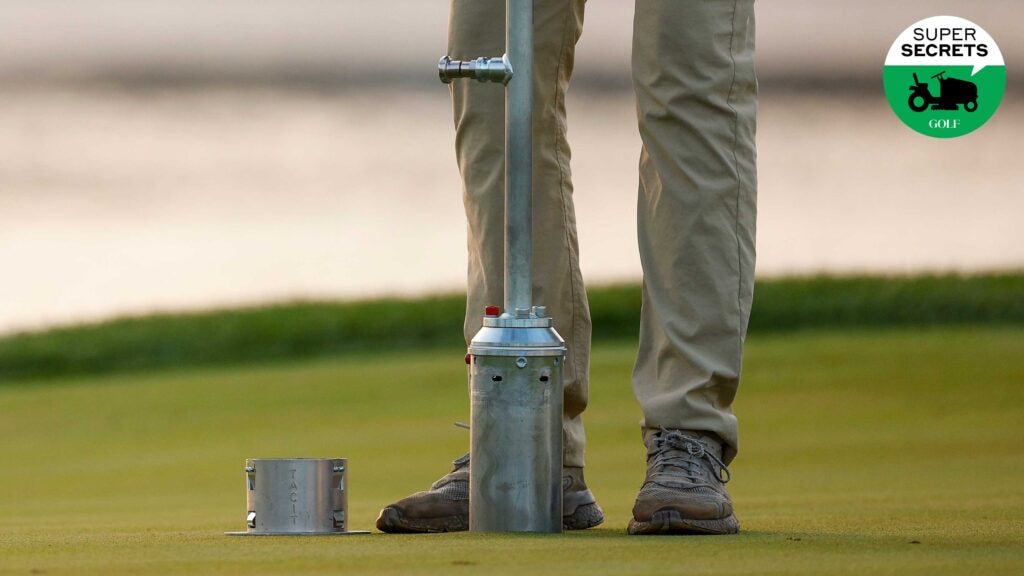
684	492
445	507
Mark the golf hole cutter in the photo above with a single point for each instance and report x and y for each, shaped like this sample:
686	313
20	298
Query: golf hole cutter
515	360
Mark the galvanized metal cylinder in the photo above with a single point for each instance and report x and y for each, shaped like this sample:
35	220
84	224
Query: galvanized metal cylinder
516	428
296	495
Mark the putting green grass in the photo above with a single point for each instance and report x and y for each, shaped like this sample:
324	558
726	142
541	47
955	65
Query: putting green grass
864	452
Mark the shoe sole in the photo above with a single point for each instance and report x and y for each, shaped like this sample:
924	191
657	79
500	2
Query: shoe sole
672	522
392	521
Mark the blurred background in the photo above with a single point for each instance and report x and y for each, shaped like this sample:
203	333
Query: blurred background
163	155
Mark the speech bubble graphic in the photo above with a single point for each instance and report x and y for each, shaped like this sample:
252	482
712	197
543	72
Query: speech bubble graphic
945	41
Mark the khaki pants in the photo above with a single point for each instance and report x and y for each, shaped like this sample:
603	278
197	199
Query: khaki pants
693	73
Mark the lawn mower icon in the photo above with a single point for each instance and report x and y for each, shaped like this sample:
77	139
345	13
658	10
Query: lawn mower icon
953	92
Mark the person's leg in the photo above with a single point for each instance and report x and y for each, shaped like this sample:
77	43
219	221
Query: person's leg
693	72
477	28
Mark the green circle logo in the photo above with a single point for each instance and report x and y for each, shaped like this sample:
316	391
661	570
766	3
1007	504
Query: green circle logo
944	76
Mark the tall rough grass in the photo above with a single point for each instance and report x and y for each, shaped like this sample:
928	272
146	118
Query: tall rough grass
307	329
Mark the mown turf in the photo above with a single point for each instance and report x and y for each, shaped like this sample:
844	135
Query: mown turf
865	452
318	329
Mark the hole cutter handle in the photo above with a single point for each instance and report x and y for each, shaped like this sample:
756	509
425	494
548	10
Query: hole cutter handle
481	69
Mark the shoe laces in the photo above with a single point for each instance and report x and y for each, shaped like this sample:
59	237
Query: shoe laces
673	448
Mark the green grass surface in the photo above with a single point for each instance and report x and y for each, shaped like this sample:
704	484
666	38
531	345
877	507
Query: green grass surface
319	329
863	452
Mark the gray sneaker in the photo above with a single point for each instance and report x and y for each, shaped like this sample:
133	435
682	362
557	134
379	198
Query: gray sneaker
684	492
445	507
